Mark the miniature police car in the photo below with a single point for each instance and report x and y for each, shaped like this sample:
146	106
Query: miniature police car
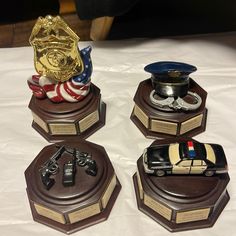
185	158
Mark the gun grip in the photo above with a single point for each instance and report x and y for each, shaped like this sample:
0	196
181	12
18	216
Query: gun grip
92	168
47	182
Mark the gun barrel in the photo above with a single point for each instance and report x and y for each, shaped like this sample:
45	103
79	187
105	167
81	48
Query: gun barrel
70	150
58	153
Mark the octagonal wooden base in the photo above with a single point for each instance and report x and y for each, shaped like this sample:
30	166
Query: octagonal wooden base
181	202
69	209
68	121
156	123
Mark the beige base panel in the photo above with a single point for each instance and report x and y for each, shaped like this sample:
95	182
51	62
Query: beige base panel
165	127
157	207
62	129
88	121
191	124
40	122
195	215
140	187
141	116
46	212
84	213
108	192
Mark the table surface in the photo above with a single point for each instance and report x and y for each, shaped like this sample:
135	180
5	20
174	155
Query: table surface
118	69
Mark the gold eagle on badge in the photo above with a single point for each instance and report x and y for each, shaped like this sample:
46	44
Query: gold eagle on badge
56	53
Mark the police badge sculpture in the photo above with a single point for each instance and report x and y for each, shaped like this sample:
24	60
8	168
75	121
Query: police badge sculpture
169	103
72	184
65	104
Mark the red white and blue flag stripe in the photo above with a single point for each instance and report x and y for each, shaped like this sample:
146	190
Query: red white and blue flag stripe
191	151
73	90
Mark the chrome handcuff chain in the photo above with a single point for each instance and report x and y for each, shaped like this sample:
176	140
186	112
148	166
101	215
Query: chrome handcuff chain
177	104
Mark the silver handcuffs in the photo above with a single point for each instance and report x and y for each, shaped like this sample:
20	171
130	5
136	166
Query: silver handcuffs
177	104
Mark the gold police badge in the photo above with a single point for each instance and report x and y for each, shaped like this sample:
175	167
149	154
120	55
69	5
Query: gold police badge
56	53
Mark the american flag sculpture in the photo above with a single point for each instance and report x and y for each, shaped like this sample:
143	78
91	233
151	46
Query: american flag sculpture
72	90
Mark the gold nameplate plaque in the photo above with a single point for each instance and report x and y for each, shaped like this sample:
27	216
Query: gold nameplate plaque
141	116
140	187
108	192
40	122
84	213
194	215
88	121
62	129
191	124
157	207
46	212
164	127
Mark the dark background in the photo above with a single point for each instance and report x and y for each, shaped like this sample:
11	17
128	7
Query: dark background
153	18
133	18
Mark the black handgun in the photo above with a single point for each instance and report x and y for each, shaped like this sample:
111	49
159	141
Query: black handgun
84	159
50	167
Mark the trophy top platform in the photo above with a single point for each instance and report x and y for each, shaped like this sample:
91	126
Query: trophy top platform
69	206
180	202
169	103
65	103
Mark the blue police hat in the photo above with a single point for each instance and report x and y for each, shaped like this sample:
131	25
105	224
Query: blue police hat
170	69
170	78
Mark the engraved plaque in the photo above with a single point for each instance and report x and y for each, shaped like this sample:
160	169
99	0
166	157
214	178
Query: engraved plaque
46	212
140	187
108	192
164	127
191	124
141	116
195	215
62	129
88	121
84	213
157	207
40	122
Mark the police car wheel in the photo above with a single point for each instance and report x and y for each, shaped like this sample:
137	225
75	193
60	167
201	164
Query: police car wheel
160	173
209	173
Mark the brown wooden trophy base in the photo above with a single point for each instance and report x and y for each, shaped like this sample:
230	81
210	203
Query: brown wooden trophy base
180	202
156	123
68	121
69	209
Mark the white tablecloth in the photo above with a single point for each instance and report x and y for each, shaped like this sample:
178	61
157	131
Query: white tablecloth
118	69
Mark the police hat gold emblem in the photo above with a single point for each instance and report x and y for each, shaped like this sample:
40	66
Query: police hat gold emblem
56	53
